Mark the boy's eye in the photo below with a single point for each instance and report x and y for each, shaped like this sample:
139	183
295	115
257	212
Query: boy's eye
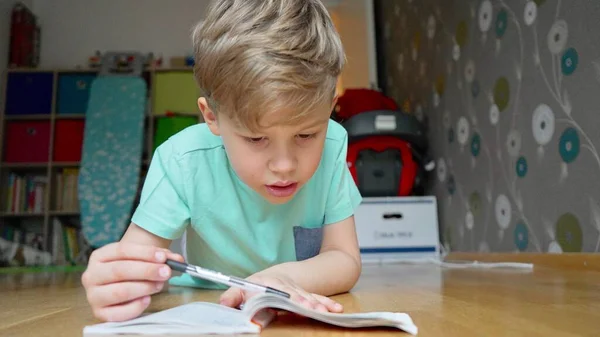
254	140
306	136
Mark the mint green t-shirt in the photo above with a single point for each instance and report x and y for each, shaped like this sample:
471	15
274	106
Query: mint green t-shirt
192	190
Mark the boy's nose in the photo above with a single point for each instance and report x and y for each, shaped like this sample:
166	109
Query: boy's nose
283	164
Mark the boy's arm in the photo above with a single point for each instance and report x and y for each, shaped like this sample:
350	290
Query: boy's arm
138	235
334	270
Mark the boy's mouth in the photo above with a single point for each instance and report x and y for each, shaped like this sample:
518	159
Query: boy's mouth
282	189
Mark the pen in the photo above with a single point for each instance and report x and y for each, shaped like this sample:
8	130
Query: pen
223	279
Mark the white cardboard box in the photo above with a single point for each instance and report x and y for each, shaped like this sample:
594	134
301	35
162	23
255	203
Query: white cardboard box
396	228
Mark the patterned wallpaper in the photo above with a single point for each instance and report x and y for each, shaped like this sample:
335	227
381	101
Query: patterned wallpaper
510	93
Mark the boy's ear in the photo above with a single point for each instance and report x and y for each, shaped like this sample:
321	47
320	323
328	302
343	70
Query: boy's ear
333	108
334	102
210	118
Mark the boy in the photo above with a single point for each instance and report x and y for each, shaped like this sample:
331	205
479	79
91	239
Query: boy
261	189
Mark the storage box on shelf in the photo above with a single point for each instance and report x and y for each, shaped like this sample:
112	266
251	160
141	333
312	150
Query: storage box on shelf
29	93
73	92
42	127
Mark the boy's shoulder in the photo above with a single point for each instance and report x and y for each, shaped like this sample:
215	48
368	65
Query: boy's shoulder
192	139
336	132
336	145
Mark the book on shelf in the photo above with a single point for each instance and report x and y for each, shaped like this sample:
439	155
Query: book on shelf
66	190
68	244
25	193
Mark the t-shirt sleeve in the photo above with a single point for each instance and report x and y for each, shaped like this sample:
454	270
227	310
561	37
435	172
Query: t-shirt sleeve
163	210
343	196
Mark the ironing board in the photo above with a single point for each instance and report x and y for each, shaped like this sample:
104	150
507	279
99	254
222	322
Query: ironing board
112	149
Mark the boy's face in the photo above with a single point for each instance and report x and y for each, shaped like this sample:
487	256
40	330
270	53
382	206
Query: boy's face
277	161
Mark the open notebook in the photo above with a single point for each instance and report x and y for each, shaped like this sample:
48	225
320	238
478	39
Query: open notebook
211	318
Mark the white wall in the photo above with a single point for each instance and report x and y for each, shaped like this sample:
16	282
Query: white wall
72	30
5	14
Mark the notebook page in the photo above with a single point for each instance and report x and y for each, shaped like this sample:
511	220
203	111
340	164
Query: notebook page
350	320
195	318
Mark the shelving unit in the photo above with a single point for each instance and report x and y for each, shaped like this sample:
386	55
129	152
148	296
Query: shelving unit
169	89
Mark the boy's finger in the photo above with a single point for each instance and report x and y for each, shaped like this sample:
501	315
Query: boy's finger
123	312
174	256
232	297
310	301
129	251
122	292
330	304
119	271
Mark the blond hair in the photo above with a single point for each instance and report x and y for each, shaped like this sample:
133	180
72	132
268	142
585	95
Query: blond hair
254	57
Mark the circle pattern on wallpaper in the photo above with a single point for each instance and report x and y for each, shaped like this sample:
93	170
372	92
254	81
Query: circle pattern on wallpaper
475	87
503	211
435	99
513	143
542	124
417	40
569	145
530	13
400	62
569	61
554	247
431	27
568	233
475	144
494	114
485	15
451	185
446	119
502	93
501	23
456	52
521	236
441	170
419	113
463	130
440	84
470	71
521	167
461	33
475	203
558	36
469	220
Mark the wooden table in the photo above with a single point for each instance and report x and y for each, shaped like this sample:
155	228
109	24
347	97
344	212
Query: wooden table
562	301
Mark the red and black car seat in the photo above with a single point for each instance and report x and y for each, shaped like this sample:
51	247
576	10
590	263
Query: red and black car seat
386	147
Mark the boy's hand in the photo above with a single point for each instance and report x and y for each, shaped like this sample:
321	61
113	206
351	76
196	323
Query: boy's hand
120	278
233	297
